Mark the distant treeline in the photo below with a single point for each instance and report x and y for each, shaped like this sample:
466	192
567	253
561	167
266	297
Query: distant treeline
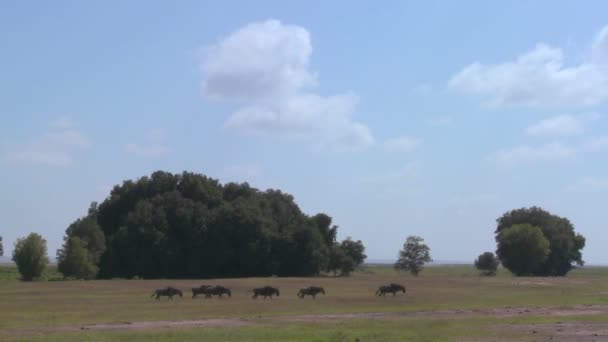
190	226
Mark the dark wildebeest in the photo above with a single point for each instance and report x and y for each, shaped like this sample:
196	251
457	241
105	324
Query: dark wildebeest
217	290
266	291
168	292
390	288
311	291
199	290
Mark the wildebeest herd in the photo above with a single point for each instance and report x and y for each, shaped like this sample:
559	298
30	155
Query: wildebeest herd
267	291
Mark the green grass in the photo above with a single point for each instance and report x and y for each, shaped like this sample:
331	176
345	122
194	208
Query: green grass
27	308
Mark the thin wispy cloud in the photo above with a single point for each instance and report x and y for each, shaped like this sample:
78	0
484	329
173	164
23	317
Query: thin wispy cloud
526	153
589	184
562	125
402	144
597	143
56	147
274	84
440	121
154	145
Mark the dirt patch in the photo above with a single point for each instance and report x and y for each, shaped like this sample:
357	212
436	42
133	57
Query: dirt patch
580	310
563	332
321	318
168	324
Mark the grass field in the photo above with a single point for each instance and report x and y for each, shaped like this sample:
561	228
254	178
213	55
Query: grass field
447	303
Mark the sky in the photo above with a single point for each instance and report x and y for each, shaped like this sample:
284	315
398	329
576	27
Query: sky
398	118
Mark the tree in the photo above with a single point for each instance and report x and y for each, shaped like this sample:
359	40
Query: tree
336	259
74	260
565	244
413	256
30	256
344	257
487	263
1	247
354	249
522	249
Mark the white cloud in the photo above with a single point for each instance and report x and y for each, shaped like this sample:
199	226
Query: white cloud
154	147
264	66
547	152
56	147
305	114
262	59
539	78
402	144
562	125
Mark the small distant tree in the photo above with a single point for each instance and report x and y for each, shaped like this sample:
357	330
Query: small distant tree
487	264
413	256
74	260
30	256
522	249
1	247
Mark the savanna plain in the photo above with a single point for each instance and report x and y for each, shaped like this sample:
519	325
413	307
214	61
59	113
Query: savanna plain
444	303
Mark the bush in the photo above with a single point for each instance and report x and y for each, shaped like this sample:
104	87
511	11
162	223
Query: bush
30	256
487	264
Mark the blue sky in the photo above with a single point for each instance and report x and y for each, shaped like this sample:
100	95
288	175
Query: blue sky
427	118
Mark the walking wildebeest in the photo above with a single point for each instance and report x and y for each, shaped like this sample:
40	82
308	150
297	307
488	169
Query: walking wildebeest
168	292
199	290
390	288
311	291
266	291
217	290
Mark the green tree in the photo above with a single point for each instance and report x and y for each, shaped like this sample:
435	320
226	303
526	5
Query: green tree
354	249
344	257
413	256
30	255
1	247
75	260
336	259
90	234
565	245
487	263
522	249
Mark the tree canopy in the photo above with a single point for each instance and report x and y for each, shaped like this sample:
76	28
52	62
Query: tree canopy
344	257
522	249
190	226
414	255
565	244
1	247
30	256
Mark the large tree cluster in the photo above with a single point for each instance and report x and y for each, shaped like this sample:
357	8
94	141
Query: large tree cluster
188	226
